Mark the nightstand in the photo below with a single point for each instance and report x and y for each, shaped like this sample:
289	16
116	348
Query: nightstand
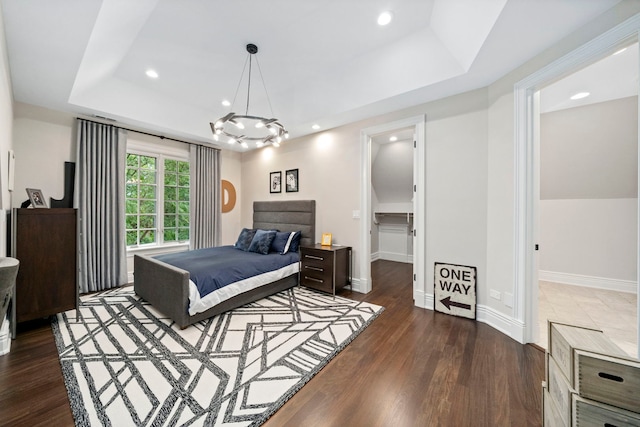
325	268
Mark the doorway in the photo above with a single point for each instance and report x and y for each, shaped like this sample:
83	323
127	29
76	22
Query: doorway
392	181
416	127
526	173
588	169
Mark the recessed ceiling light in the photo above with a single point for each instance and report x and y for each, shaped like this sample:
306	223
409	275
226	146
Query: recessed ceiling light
384	18
152	73
580	95
619	51
315	127
226	103
393	138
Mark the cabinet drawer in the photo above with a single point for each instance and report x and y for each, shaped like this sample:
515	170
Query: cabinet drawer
588	413
321	283
607	379
317	259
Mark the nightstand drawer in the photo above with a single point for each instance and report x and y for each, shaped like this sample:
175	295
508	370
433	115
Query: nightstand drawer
317	259
317	282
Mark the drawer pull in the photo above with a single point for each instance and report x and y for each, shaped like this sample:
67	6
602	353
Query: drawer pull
611	377
314	268
313	279
314	257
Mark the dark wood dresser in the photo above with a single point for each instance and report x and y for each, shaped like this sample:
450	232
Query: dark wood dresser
325	268
44	241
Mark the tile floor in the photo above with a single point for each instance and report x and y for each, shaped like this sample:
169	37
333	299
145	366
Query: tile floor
615	313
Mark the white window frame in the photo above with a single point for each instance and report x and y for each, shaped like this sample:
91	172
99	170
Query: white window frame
161	153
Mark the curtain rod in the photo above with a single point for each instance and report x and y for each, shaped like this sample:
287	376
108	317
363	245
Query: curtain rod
147	133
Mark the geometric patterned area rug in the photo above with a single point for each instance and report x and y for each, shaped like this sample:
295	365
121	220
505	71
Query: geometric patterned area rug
124	364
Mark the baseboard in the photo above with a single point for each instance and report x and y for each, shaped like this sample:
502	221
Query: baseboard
619	285
397	257
375	256
422	299
499	321
357	285
509	326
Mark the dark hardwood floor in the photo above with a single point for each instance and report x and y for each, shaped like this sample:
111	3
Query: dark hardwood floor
410	367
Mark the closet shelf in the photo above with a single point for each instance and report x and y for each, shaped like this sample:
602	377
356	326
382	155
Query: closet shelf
379	215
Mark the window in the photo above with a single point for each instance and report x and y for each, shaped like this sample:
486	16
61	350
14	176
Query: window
176	200
157	199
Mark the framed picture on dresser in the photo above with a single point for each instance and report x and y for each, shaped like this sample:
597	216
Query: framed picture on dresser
36	198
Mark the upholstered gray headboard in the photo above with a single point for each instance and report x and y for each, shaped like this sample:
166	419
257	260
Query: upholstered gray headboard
287	215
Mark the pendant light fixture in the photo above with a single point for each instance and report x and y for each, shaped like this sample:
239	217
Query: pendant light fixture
245	129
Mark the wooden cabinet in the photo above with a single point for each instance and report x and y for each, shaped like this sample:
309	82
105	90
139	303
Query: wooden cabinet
325	268
44	241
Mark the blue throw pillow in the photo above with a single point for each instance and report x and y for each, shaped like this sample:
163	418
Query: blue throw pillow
293	241
261	242
279	242
244	239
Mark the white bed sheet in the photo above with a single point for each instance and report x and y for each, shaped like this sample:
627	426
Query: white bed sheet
198	305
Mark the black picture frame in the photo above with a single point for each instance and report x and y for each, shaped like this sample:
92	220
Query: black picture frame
36	198
275	182
291	181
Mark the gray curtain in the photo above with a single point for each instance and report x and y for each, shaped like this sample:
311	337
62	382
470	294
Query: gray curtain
100	202
205	194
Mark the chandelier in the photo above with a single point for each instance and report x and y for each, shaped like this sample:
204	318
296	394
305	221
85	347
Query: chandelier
244	128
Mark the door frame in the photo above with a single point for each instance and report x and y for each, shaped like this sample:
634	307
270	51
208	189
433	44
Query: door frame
526	175
421	298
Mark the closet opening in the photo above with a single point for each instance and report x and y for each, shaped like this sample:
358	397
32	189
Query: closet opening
392	204
392	196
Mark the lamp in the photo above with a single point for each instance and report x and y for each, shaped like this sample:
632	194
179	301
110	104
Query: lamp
245	128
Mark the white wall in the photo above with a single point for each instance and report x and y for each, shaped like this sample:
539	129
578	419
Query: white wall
6	134
43	141
456	187
595	238
231	170
328	171
590	152
501	163
588	192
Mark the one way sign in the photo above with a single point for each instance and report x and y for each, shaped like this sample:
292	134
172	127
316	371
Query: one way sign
455	290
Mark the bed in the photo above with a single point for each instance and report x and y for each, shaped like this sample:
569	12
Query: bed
167	287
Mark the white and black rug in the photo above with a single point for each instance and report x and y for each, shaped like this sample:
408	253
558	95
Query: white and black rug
125	365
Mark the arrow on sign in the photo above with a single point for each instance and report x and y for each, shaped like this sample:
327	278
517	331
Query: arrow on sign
448	303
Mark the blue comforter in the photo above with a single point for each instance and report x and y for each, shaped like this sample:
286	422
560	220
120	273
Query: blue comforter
214	268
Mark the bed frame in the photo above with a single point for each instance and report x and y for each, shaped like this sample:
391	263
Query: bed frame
167	287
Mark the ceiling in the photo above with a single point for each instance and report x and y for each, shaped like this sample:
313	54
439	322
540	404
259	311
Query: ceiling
613	77
326	63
